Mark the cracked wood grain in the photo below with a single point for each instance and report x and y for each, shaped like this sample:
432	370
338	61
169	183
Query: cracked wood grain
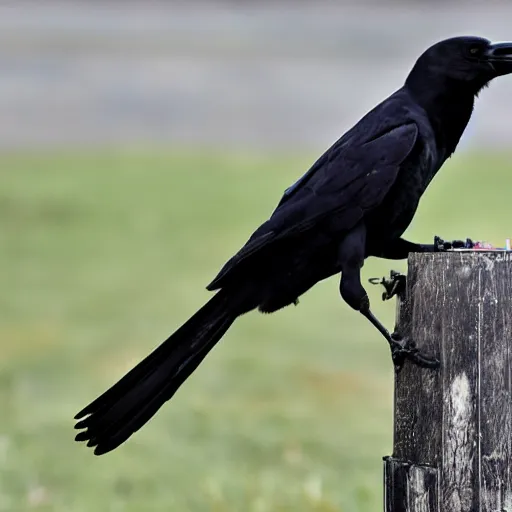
410	487
456	421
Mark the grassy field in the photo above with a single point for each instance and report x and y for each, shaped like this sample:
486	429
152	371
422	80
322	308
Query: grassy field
103	254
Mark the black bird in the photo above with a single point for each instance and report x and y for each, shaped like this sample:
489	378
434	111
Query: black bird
355	201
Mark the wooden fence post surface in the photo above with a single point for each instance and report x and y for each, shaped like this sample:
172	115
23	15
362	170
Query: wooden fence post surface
452	449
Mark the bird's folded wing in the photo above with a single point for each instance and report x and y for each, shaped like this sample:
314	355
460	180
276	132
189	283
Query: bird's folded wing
346	181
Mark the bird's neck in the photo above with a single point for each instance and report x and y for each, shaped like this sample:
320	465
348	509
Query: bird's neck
448	106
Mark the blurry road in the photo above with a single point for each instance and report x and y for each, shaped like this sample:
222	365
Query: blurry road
216	73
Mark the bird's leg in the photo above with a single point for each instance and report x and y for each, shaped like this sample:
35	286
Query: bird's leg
401	348
351	258
399	248
354	294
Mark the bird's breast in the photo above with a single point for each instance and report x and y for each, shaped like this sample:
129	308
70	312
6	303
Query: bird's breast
393	216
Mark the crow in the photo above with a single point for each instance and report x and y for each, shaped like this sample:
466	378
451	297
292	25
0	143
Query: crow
354	202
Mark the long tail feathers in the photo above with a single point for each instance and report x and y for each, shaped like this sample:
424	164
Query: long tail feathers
124	408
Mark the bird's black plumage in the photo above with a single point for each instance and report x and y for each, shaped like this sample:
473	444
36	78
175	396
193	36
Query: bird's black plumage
354	202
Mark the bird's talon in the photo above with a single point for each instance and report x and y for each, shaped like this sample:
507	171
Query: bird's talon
441	245
402	349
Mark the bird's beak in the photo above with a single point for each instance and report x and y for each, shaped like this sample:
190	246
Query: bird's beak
499	56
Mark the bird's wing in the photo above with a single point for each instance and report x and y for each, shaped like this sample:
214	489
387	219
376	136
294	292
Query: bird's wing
348	180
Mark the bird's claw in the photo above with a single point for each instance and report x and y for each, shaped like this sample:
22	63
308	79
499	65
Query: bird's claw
403	348
441	245
395	285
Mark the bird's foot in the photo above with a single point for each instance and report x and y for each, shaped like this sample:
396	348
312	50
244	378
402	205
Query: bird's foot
403	348
441	245
395	285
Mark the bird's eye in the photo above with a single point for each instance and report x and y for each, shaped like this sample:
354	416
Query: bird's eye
474	51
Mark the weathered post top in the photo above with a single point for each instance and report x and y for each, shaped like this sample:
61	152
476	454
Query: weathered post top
453	426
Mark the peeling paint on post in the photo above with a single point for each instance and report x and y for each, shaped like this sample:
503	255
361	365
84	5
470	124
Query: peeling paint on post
453	426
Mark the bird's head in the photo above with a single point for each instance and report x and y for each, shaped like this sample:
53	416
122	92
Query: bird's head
472	62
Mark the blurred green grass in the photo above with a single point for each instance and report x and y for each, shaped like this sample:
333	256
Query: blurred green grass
104	253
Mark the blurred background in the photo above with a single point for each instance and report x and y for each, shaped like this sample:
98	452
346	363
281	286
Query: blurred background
141	143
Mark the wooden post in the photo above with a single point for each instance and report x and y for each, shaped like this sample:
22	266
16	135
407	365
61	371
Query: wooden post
453	426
